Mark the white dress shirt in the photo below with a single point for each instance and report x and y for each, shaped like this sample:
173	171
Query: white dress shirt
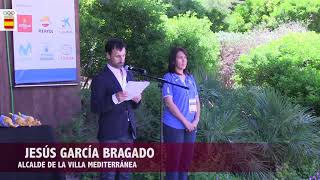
121	76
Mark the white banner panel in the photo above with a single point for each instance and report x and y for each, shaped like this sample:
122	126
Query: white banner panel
44	43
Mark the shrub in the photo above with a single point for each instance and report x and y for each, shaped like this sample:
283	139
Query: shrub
215	11
259	115
178	7
146	176
290	65
83	127
251	39
195	35
148	115
138	22
226	6
272	13
212	176
218	11
235	44
148	33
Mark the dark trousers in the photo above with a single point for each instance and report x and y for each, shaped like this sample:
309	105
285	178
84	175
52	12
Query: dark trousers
180	155
118	175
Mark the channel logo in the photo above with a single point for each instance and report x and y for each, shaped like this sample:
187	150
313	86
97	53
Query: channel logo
24	23
8	20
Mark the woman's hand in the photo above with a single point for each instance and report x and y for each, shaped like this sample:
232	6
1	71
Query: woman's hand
195	123
189	126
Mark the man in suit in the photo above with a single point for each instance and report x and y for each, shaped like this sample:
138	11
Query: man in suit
109	100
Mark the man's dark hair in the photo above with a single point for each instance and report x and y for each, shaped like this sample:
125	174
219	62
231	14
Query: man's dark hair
114	43
172	59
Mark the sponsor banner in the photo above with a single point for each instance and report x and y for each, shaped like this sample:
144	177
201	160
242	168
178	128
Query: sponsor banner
137	157
44	42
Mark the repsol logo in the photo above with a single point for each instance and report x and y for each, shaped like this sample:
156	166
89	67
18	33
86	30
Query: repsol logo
46	31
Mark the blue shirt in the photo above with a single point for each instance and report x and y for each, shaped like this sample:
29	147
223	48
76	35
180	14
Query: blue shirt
180	97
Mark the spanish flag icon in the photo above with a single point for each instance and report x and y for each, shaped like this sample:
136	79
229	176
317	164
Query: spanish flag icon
8	23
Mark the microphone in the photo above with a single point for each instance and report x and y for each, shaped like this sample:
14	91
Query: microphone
139	70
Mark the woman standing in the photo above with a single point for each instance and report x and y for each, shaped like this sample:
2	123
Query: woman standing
181	113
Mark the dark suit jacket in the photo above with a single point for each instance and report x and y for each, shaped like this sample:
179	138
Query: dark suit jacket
113	118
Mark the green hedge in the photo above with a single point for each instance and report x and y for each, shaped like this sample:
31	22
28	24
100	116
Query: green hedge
290	64
273	13
215	11
148	32
138	22
195	35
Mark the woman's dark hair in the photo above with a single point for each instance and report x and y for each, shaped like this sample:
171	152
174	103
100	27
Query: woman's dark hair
172	59
114	43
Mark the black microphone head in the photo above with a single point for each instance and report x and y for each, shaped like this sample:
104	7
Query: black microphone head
127	67
131	68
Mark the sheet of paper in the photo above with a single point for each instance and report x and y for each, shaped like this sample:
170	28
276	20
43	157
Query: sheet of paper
135	88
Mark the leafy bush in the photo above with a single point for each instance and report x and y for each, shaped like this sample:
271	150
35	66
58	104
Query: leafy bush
259	115
272	13
305	170
148	115
217	19
235	44
138	22
146	176
178	7
220	105
212	176
290	65
285	172
251	39
218	11
83	127
226	6
148	33
289	129
195	35
91	47
215	11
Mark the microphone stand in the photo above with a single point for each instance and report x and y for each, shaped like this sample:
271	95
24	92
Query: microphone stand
161	81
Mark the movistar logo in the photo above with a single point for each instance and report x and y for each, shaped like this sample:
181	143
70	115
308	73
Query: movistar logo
25	50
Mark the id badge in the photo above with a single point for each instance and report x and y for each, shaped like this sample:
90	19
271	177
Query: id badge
192	105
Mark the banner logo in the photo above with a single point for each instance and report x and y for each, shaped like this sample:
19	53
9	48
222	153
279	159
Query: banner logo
24	23
8	20
46	24
65	26
25	50
45	21
46	52
66	52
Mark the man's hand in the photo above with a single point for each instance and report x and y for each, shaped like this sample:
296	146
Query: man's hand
121	96
137	99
